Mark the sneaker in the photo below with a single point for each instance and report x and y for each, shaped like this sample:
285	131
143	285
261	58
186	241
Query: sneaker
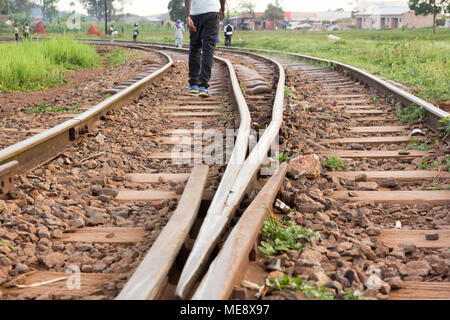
193	89
203	92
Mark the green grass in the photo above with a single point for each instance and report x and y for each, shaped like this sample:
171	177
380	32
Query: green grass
278	237
422	144
27	65
116	57
298	285
414	57
411	113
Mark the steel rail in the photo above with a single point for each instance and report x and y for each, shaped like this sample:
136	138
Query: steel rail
217	219
434	114
46	145
231	173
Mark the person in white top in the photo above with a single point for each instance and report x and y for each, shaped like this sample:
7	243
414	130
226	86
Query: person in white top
179	29
111	32
26	31
203	20
228	33
16	32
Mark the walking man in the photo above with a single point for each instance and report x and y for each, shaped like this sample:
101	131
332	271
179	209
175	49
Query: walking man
26	31
179	29
203	18
135	32
16	32
228	33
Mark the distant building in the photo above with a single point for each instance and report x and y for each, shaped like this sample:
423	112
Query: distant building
389	15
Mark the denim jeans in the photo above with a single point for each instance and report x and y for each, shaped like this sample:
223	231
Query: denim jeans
204	39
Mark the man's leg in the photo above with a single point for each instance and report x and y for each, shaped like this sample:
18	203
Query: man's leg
195	49
210	30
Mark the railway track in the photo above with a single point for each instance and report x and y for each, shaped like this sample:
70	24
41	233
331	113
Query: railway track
211	250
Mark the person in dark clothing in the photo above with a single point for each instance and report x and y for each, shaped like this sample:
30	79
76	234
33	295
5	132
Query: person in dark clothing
135	32
228	33
203	18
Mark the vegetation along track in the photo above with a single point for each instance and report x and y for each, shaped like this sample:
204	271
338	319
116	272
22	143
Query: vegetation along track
353	234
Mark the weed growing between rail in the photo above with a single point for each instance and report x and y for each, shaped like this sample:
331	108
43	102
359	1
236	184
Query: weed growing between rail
278	237
28	65
335	163
445	128
411	113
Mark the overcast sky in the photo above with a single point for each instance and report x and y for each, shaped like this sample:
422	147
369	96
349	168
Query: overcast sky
151	7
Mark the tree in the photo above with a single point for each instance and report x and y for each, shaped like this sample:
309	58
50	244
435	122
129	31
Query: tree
177	10
103	9
426	7
248	6
5	6
274	12
20	19
49	9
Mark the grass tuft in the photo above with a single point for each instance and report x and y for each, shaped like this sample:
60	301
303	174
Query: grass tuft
28	65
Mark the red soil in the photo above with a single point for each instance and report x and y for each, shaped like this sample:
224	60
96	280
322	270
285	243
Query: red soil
39	28
94	30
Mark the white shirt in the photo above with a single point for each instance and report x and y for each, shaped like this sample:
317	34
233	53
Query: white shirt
204	6
179	31
225	30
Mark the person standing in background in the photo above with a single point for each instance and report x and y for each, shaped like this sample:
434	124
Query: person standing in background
179	29
228	33
16	32
135	32
26	31
203	18
111	32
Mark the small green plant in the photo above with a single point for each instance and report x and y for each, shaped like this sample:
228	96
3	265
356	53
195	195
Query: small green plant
354	295
288	93
335	163
423	164
435	164
421	144
345	72
283	158
433	186
445	129
410	113
279	237
74	109
447	163
298	285
43	108
6	244
374	99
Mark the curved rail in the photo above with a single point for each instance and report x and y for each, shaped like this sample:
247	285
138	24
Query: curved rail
434	113
218	217
43	146
146	282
